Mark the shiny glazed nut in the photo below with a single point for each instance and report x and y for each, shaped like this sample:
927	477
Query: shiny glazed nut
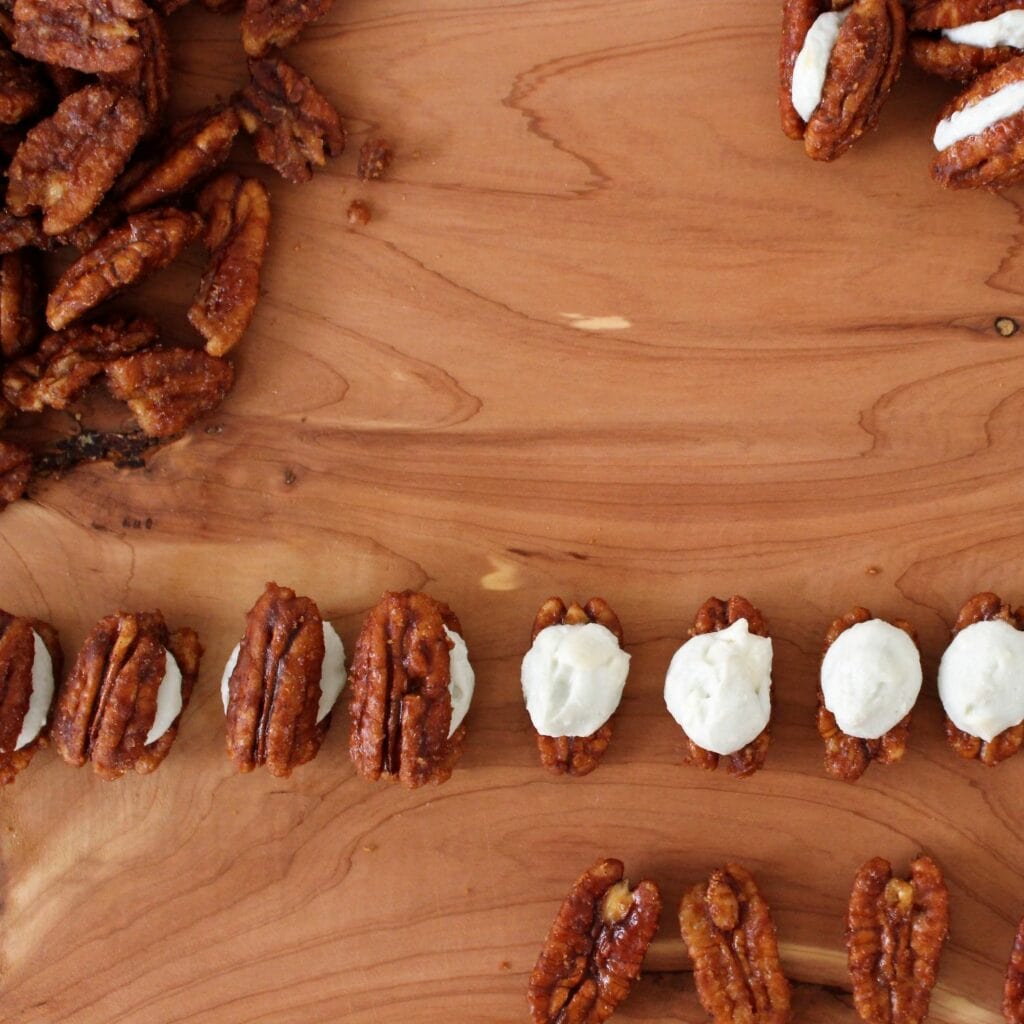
1013	990
20	307
594	952
15	470
21	233
108	703
22	92
401	706
575	755
728	929
149	78
269	23
896	929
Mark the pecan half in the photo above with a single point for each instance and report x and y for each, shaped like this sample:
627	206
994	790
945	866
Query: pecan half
22	92
728	929
237	215
575	755
68	361
847	757
269	23
17	657
1013	990
196	146
20	306
375	156
895	932
714	615
864	65
15	470
982	608
167	389
68	162
88	35
145	243
401	706
150	78
21	233
294	127
108	703
595	948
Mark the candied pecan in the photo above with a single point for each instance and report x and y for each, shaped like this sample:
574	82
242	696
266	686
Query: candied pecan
196	145
149	79
19	304
728	929
108	704
895	933
21	233
401	706
145	243
88	35
934	15
575	755
68	162
375	156
269	23
85	235
595	948
68	361
956	62
15	470
862	70
237	215
847	757
293	125
981	608
17	657
1013	990
274	688
22	92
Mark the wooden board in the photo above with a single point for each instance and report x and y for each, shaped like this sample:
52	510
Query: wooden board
804	401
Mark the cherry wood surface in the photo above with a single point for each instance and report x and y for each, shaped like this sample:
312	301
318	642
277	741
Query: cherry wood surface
608	333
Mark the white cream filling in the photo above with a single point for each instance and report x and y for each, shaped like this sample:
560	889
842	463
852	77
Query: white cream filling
981	678
573	677
41	695
974	119
168	699
1006	29
462	682
718	687
332	672
811	65
870	678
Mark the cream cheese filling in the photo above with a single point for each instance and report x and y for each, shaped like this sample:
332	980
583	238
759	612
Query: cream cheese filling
811	65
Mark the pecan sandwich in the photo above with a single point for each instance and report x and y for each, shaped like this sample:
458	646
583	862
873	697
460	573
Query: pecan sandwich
280	683
121	705
30	661
896	929
958	39
980	133
412	685
719	686
573	676
837	64
981	680
870	679
728	929
595	949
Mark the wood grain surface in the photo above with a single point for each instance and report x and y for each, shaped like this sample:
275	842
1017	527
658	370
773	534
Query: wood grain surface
799	396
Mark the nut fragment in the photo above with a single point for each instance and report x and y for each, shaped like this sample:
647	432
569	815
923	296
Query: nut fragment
1013	990
375	156
237	215
19	304
401	706
595	949
575	755
108	704
728	929
358	213
269	23
145	243
149	78
68	162
17	656
22	93
20	233
167	389
895	933
847	757
294	127
955	62
15	470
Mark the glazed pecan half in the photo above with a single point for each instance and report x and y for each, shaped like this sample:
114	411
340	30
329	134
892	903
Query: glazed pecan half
728	929
862	70
895	932
270	23
714	615
294	127
22	92
1013	990
145	243
401	706
150	78
108	704
15	470
575	755
595	949
17	657
274	688
237	215
847	757
20	306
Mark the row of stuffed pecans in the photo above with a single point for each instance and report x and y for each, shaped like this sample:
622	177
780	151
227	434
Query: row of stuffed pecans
895	932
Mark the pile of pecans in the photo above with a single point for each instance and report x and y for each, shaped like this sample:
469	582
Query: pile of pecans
91	165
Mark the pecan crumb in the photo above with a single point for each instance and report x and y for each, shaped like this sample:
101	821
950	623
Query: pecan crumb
375	156
15	470
358	213
1006	326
